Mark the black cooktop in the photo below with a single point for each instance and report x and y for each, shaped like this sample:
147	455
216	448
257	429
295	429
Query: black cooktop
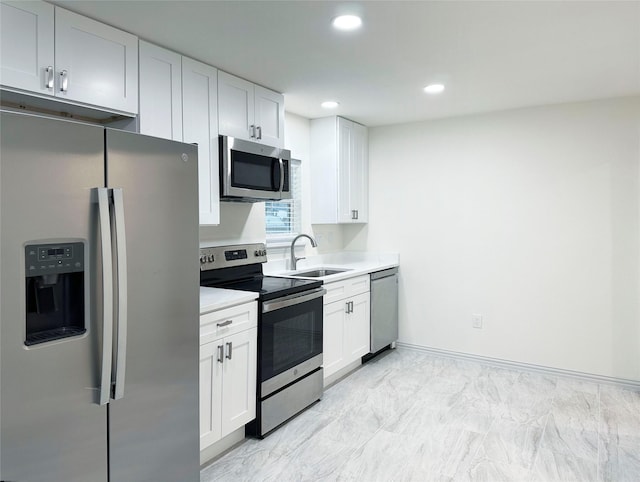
271	287
250	278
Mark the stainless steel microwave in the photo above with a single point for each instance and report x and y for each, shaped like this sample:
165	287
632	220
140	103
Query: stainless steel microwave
253	172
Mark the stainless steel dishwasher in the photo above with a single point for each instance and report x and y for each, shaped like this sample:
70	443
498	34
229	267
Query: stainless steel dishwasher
384	308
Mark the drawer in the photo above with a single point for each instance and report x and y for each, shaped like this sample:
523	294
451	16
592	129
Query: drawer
228	321
346	288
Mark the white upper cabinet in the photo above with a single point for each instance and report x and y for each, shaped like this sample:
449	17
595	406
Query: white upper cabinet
269	116
179	101
99	62
200	126
250	112
51	51
160	92
235	106
339	171
26	46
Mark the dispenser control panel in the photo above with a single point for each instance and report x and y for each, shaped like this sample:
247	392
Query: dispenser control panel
41	259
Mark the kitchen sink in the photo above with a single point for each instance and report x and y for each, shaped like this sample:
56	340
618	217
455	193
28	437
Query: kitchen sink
319	272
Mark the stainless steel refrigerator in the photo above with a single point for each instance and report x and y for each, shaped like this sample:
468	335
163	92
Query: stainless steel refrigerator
99	291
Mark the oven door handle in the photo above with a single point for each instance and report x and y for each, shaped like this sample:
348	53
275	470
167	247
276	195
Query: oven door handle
292	300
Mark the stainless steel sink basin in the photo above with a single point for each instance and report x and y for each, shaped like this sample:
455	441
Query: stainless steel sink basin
319	272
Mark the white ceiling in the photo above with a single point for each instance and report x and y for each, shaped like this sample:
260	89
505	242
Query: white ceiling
490	55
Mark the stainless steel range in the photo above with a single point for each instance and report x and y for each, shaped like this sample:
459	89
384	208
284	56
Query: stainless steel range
289	331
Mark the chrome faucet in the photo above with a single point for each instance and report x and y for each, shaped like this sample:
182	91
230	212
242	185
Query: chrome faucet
294	260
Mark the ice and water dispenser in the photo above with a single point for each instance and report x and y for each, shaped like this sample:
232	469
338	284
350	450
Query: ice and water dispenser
55	291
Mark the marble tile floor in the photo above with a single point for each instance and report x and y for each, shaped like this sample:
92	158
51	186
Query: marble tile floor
410	416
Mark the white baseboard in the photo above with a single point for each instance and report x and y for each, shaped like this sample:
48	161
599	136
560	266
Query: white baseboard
213	452
340	374
497	362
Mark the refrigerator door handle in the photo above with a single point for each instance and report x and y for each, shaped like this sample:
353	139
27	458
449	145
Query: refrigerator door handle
107	295
121	250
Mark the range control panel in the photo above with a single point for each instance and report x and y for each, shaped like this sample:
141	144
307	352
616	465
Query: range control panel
41	259
227	256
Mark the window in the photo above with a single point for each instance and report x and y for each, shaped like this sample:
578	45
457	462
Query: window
283	217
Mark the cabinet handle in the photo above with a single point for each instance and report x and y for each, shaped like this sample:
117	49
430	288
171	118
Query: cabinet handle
253	131
64	80
349	306
259	132
225	323
220	353
354	214
229	349
49	72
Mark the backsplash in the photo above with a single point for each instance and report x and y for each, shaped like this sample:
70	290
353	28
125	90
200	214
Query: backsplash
240	223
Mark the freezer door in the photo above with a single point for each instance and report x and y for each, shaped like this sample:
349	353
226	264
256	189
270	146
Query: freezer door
153	428
52	428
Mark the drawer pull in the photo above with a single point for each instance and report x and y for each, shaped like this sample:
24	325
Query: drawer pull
225	323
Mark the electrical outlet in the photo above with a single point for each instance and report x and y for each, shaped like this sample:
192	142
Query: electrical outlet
476	320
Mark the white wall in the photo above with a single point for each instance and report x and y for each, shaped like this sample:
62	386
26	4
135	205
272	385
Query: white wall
239	223
529	217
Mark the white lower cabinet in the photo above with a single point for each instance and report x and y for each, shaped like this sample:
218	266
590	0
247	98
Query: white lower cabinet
346	323
228	361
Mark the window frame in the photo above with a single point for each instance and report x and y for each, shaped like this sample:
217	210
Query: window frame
275	240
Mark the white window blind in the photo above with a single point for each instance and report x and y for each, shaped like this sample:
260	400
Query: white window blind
283	217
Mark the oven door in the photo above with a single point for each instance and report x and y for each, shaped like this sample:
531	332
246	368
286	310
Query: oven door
290	341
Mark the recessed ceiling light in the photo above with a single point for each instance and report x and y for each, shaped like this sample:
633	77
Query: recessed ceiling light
329	104
434	88
347	22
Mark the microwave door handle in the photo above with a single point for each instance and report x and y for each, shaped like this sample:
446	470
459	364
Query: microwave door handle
121	246
281	164
107	294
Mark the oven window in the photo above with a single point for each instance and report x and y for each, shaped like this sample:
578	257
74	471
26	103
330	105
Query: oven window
251	171
290	336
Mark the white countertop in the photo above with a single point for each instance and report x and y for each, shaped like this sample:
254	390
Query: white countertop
357	263
212	299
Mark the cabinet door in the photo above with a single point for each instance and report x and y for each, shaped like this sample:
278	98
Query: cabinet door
26	46
357	328
239	380
160	92
345	151
333	354
210	392
101	63
200	126
358	173
269	117
235	106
